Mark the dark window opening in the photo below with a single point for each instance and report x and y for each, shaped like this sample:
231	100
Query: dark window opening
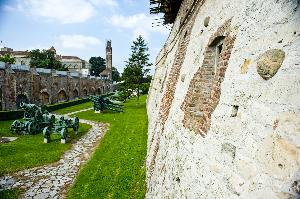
235	109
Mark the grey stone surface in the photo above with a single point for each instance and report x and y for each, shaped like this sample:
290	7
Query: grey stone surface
7	139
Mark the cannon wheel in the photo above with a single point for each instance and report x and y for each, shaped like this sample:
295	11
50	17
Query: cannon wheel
63	133
33	128
46	132
76	125
15	127
29	127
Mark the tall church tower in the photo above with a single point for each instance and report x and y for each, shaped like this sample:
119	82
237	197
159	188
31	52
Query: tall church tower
108	55
107	73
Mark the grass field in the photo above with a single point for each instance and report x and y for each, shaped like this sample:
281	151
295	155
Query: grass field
117	169
74	108
10	194
30	150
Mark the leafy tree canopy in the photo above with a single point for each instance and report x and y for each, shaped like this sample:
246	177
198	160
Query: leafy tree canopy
115	74
45	59
98	64
137	66
7	58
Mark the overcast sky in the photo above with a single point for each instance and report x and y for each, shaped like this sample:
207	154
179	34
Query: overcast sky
80	27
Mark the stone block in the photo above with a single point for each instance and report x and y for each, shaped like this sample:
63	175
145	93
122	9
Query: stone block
269	62
206	21
245	66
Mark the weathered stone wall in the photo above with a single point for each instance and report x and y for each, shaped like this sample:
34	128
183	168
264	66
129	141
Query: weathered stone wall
224	108
44	88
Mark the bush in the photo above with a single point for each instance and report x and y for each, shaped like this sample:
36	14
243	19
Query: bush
12	115
54	107
145	88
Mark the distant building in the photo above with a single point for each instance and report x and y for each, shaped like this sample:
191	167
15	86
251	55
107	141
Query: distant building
73	63
21	57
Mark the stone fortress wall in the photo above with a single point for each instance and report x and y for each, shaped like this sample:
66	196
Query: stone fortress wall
224	108
20	83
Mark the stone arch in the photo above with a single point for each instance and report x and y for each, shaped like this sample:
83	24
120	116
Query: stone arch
62	95
75	93
0	99
21	98
85	92
93	91
44	97
99	91
205	87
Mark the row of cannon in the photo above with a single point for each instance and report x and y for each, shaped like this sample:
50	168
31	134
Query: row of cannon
38	119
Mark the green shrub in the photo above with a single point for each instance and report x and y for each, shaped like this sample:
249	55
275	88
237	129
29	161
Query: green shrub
54	107
11	115
145	88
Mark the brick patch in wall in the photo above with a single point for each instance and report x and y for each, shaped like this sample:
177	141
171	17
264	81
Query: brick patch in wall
172	80
205	88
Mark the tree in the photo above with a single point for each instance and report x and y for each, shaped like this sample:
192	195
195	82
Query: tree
115	74
45	59
136	67
7	58
97	65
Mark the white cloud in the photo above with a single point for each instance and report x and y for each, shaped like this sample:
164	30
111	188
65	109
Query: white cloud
112	3
78	41
140	24
65	11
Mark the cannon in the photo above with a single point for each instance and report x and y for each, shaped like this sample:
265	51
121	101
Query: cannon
35	119
61	127
38	119
103	102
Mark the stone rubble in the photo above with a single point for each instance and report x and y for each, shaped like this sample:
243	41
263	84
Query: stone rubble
53	180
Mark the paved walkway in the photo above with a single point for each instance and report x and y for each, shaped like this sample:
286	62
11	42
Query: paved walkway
54	180
82	110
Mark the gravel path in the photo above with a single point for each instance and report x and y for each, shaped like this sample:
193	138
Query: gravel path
54	180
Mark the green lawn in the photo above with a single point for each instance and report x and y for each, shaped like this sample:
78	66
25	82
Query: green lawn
74	108
11	194
117	168
30	150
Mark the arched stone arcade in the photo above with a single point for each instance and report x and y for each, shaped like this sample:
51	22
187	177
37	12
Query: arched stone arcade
99	91
85	92
0	99
62	96
75	94
93	91
44	97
